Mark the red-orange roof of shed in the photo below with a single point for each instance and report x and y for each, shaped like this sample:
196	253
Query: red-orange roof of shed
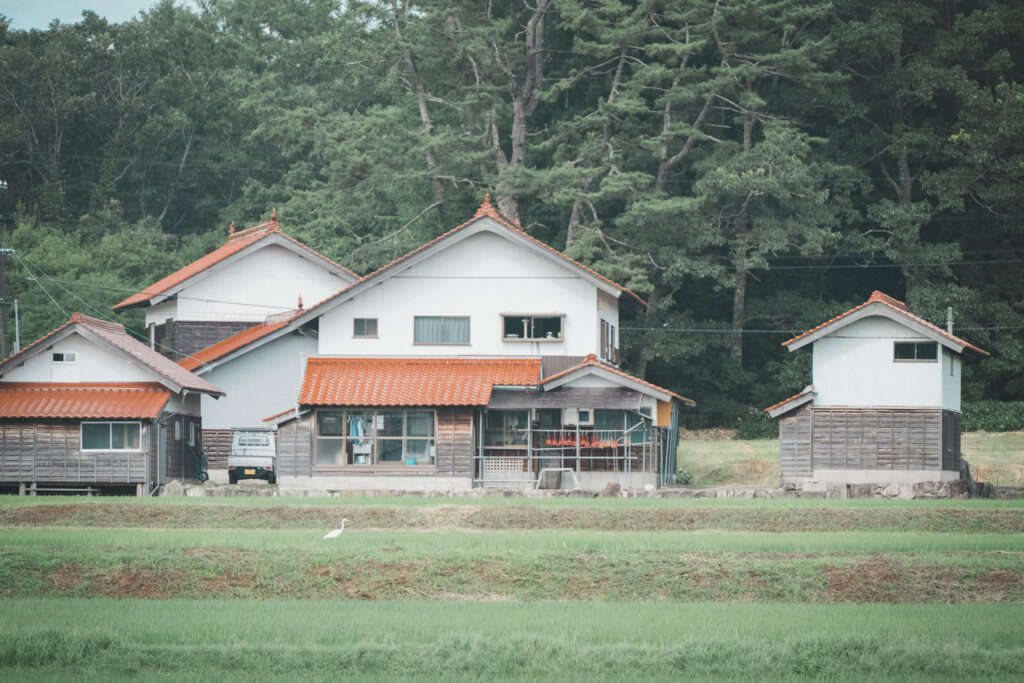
878	297
412	381
109	400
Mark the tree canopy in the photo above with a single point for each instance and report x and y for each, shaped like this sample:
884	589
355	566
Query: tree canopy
751	167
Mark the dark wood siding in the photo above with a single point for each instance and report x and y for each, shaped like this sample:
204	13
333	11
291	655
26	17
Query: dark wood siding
795	443
454	439
50	451
951	440
187	337
217	446
867	439
294	448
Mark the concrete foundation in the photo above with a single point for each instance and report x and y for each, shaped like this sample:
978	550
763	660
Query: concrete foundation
821	479
596	481
376	483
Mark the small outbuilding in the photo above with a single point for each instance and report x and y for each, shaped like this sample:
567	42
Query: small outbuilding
884	405
87	406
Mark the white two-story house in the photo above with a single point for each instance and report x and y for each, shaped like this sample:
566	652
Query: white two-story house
884	405
484	357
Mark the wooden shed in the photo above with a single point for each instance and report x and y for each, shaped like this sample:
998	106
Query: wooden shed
884	406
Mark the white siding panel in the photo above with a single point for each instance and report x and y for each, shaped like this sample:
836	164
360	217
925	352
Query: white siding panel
93	364
951	369
258	384
854	367
256	285
482	277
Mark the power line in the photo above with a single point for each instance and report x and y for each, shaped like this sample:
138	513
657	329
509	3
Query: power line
794	330
36	280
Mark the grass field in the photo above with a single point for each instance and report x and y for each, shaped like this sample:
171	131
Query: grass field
510	589
994	457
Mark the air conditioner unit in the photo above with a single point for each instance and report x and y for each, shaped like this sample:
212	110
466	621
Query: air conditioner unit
584	417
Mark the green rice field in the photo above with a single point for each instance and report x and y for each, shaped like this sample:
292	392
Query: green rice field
511	589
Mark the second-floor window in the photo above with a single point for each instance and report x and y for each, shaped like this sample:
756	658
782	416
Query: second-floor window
364	327
532	327
609	350
428	329
915	351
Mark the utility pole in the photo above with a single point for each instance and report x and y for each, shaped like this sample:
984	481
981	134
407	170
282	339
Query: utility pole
4	346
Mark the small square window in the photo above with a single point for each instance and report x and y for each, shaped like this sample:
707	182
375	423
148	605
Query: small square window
364	327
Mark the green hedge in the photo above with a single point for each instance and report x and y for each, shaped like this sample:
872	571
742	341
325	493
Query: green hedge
993	416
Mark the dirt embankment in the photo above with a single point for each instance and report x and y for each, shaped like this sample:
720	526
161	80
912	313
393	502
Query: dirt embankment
481	517
663	576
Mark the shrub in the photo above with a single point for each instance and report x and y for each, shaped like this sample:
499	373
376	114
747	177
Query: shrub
756	424
993	416
684	478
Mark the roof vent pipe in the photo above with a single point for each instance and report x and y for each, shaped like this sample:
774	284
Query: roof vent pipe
949	319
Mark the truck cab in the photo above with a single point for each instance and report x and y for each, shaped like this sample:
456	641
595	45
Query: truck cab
253	456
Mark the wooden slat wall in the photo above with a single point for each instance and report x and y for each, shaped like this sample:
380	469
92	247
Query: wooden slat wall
181	464
294	448
454	440
795	443
50	452
217	446
851	438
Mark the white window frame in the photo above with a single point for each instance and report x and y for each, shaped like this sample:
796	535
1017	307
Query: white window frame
81	436
64	355
374	440
532	316
177	429
191	433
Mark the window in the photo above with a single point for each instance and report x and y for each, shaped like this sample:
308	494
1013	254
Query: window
441	329
927	351
254	440
506	428
364	327
191	433
532	327
177	430
111	436
609	351
374	437
65	357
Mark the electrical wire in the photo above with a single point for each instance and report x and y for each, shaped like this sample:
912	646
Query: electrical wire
45	291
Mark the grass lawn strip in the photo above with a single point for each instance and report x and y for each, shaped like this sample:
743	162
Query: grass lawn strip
327	640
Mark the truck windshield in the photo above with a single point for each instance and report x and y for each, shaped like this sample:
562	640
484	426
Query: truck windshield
254	440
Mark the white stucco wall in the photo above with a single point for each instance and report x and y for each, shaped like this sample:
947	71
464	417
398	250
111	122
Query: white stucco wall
854	366
252	287
258	384
482	277
93	364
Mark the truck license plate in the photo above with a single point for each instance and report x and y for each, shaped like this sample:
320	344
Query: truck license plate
250	471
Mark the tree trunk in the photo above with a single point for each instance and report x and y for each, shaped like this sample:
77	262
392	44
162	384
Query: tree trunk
428	125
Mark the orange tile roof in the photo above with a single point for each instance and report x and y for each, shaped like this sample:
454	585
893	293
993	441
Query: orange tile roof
237	241
486	210
142	400
231	344
412	381
591	360
116	335
808	391
898	306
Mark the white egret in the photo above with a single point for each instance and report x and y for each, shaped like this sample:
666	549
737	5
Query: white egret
336	532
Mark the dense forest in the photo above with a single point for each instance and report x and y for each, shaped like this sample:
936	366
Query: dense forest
749	167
